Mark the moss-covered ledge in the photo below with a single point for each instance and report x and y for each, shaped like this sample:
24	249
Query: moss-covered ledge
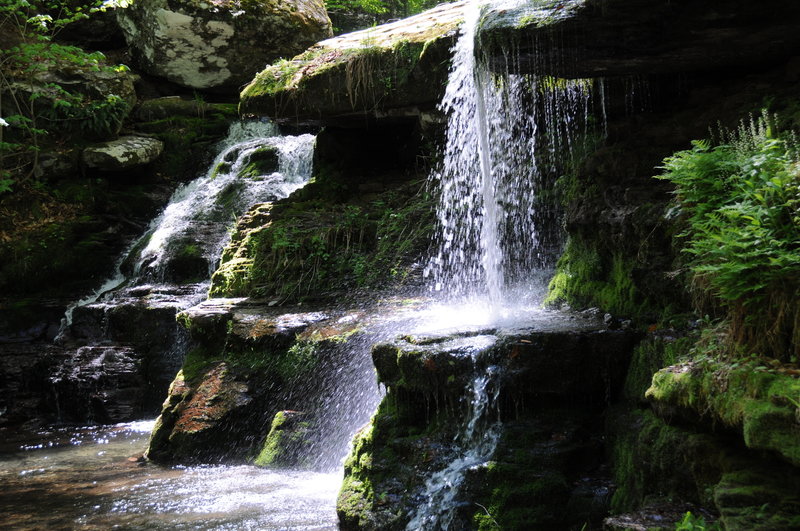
397	68
758	399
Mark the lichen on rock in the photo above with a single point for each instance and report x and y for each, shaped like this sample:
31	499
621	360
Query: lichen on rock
123	153
219	45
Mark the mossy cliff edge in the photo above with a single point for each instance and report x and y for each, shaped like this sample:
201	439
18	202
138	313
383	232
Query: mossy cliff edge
392	69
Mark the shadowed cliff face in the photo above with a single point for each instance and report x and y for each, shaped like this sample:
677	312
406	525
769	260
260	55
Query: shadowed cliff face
629	37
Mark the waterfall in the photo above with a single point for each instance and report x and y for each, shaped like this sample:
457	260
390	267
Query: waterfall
507	137
477	441
126	330
254	164
243	173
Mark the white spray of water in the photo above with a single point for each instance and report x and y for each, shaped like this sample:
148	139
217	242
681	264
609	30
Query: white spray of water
490	212
201	206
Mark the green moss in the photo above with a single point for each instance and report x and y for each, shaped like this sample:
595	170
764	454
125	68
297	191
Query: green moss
283	445
357	496
309	246
649	356
585	278
282	364
756	500
520	501
653	460
755	397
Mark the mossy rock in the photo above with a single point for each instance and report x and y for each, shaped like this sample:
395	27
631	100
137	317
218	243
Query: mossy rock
761	401
655	461
310	246
402	65
288	435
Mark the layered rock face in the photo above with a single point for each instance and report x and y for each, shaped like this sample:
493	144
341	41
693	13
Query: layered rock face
488	426
219	45
392	70
248	362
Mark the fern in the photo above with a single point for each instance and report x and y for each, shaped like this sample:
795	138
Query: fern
739	200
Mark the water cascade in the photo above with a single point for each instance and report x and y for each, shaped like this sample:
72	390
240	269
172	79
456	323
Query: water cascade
129	322
508	138
477	441
508	135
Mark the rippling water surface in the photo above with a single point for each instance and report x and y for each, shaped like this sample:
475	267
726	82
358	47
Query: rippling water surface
90	478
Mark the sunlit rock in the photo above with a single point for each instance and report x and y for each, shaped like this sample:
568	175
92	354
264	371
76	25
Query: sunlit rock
394	69
219	45
123	153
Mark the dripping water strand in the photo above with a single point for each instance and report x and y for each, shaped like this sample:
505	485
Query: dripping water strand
477	441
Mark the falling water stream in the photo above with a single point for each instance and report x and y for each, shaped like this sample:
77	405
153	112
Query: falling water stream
494	252
90	478
495	245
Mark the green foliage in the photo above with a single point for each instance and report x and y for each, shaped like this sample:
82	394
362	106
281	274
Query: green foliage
36	108
740	202
691	522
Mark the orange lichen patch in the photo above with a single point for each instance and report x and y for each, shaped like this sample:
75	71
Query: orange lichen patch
261	328
214	398
320	332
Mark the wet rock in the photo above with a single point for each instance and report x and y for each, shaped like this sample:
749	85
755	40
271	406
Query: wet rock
285	443
550	384
24	368
391	70
588	38
220	46
123	153
247	362
196	419
100	384
757	401
656	460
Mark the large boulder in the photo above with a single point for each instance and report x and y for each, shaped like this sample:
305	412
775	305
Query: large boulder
219	45
392	70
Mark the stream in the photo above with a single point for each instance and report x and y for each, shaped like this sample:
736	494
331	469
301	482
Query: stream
92	478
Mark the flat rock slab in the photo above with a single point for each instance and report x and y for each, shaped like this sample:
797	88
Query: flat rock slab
557	357
393	69
597	38
124	153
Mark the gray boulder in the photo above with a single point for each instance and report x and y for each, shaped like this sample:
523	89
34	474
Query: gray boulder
123	153
219	46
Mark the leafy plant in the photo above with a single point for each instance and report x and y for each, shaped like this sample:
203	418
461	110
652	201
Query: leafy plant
35	109
740	203
692	522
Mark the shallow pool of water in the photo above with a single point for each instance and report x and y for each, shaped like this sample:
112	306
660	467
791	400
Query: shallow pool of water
90	478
